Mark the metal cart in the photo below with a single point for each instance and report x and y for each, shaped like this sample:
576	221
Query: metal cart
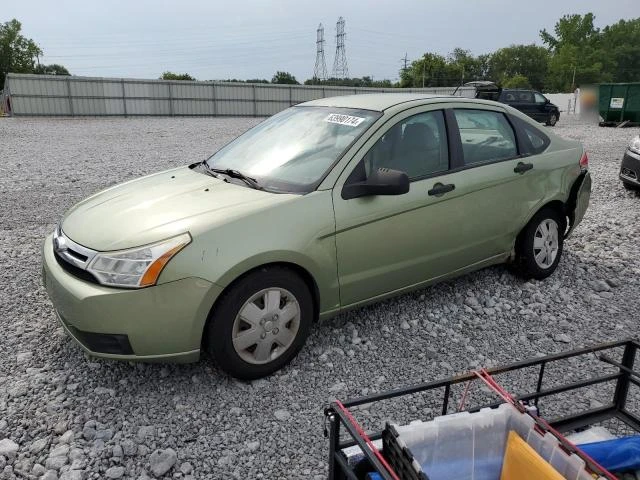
608	370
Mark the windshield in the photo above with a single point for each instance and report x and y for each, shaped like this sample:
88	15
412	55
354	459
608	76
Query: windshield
292	151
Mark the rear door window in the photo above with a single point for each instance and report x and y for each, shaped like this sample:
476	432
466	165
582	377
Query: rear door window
486	136
525	97
534	141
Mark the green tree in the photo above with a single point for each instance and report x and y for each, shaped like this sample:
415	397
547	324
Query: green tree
18	54
465	66
577	30
621	44
53	69
432	70
517	81
176	76
284	78
365	81
528	61
577	53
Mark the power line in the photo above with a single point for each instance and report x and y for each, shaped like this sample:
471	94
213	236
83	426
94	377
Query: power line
320	70
340	67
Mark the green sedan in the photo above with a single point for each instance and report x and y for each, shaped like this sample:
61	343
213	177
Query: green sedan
324	207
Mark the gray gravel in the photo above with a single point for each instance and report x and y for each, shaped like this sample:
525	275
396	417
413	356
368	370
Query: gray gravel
64	415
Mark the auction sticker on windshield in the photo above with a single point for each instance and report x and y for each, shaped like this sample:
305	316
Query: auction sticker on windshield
344	119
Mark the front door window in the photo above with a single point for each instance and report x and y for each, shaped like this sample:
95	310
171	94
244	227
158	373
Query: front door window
416	145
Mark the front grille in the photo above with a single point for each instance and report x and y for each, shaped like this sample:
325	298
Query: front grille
629	173
77	255
75	271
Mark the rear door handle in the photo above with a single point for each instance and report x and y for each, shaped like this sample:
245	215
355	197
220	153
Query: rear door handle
440	189
523	167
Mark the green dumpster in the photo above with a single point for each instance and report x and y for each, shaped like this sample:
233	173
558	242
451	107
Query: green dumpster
619	102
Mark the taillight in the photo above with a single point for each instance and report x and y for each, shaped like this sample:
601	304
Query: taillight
584	161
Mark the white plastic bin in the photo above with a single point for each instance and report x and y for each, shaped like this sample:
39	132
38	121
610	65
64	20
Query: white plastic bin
471	446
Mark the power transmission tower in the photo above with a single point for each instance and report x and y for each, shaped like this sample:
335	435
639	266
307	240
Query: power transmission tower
320	71
404	68
340	67
405	60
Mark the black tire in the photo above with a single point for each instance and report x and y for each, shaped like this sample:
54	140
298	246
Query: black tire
220	327
630	187
552	119
526	264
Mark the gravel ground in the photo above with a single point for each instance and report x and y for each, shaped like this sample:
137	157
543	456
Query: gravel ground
64	415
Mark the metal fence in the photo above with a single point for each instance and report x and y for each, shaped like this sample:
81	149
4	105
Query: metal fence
88	96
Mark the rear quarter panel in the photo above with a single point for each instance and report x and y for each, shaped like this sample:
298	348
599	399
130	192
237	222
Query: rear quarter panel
560	164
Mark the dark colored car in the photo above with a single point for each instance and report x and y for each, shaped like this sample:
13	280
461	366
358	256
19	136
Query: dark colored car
630	168
530	102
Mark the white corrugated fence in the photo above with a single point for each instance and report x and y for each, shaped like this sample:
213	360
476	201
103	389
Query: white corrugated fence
51	95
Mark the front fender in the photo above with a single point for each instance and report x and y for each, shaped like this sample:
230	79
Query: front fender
326	282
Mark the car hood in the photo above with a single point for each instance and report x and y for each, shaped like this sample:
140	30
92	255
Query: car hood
160	206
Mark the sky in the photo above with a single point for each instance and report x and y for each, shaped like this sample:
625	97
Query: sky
254	38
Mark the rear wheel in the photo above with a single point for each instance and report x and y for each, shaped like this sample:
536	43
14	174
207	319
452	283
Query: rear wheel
539	246
261	323
552	119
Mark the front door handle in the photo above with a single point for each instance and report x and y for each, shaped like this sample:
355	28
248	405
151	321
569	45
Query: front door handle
523	167
440	189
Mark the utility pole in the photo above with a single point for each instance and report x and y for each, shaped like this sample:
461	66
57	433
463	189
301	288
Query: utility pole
573	80
320	70
424	66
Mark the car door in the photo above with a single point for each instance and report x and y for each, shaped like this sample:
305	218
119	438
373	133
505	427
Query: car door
387	243
498	179
527	104
542	110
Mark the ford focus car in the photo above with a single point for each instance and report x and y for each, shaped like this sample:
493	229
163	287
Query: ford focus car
630	168
324	207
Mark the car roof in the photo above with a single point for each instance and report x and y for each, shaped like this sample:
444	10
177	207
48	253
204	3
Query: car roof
375	101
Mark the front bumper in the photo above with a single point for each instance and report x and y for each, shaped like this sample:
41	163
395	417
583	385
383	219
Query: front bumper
160	323
630	168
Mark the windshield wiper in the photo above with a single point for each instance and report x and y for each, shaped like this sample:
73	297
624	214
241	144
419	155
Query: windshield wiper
230	172
209	171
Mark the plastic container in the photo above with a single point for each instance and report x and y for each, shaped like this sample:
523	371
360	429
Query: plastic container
470	446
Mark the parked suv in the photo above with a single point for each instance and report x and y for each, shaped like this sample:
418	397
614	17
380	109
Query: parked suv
324	207
530	102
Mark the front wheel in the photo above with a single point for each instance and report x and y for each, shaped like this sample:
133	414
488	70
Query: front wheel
630	187
260	323
552	119
539	245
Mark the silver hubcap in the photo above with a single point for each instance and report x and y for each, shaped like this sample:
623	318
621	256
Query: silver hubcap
266	325
545	243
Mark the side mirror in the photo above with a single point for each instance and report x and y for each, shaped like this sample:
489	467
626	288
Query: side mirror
383	181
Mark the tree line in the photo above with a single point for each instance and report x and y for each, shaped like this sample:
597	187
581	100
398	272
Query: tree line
574	53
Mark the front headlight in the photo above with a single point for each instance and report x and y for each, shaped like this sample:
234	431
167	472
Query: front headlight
136	267
634	145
